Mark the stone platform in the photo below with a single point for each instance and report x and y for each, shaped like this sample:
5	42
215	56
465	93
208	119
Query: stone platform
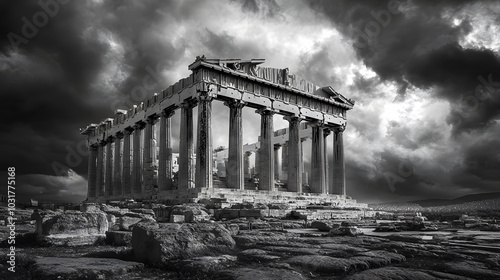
227	197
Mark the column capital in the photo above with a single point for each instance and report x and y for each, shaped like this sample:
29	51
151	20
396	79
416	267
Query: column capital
233	103
188	103
152	119
265	111
293	118
94	147
327	131
110	139
277	146
167	113
317	123
119	135
128	130
339	128
248	153
139	125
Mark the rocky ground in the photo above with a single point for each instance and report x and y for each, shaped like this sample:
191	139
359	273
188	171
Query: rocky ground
243	248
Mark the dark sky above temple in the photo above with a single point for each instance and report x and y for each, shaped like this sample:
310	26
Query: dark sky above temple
425	76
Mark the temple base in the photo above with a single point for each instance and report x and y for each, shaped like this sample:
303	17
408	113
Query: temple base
227	197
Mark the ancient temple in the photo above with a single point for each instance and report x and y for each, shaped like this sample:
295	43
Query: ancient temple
127	160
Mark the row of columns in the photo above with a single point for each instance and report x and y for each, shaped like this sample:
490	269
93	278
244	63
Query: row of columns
121	177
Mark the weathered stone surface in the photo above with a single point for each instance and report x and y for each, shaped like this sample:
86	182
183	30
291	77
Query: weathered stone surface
129	220
72	223
349	231
119	238
327	265
234	229
261	273
157	244
471	269
205	264
325	225
90	207
109	208
191	212
256	255
400	273
81	268
71	240
143	211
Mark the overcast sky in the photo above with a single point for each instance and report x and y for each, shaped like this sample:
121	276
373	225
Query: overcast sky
425	76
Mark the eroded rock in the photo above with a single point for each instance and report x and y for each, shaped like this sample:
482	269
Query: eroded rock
81	268
158	244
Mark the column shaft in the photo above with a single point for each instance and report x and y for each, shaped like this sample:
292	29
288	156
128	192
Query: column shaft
295	170
108	181
117	169
100	171
92	175
126	174
136	161
186	179
266	153
147	156
326	132
318	160
277	161
338	180
246	165
235	158
165	153
204	152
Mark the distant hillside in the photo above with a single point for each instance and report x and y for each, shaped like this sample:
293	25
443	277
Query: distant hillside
459	200
463	204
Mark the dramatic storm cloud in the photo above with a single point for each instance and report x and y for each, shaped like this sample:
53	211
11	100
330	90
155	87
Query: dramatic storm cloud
425	76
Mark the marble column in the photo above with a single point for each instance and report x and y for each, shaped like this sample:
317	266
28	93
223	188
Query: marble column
305	175
204	152
100	170
326	132
126	174
108	180
235	170
136	160
266	153
338	181
92	172
186	178
317	160
246	165
257	160
277	161
147	155
294	155
117	165
165	152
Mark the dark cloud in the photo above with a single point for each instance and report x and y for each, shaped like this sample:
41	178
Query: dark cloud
265	7
416	43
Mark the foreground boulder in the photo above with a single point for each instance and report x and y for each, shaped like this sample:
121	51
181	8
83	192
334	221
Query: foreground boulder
189	213
71	223
160	244
81	268
70	228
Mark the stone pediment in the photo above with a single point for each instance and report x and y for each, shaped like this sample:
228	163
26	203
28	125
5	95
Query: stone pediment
330	93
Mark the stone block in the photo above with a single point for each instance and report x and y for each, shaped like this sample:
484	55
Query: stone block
119	238
177	218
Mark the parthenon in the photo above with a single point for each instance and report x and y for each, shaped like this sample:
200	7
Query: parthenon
128	161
